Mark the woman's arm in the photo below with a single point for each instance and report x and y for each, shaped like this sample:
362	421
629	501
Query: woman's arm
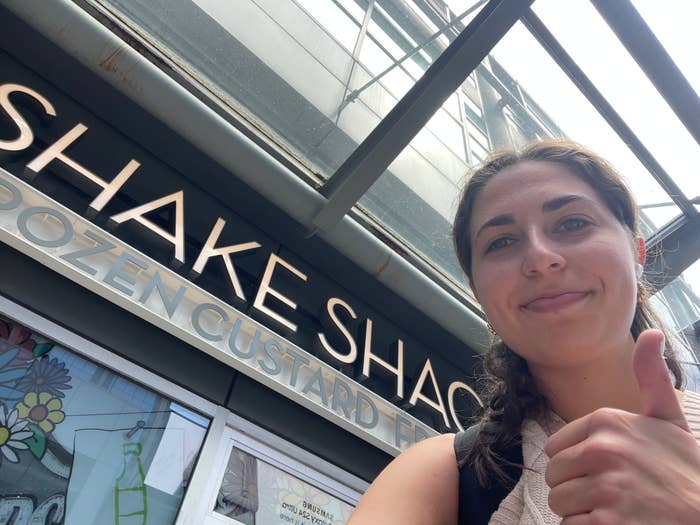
419	487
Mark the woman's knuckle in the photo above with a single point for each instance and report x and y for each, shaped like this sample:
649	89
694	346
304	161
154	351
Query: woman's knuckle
603	517
600	452
606	418
612	487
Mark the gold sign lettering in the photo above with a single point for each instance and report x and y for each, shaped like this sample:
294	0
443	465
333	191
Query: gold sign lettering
454	386
56	152
265	288
334	305
417	392
209	251
26	135
352	353
369	356
137	214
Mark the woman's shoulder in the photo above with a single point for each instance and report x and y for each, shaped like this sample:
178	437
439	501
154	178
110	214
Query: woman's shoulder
419	486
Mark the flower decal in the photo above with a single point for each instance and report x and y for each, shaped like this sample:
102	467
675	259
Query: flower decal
12	432
46	375
42	409
15	336
9	375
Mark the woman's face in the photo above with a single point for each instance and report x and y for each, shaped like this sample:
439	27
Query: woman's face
552	267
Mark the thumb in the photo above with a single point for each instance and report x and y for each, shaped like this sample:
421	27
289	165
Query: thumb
659	398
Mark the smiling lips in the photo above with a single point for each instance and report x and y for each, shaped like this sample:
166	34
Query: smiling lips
554	302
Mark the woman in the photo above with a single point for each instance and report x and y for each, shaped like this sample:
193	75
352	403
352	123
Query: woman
579	383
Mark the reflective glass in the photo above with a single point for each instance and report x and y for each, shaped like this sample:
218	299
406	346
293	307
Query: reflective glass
521	95
622	82
81	444
679	304
683	297
304	71
253	491
675	24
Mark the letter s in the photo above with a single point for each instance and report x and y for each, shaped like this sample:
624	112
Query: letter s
26	136
352	352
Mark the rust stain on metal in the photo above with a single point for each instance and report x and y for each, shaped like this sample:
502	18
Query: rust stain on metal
382	267
115	64
109	64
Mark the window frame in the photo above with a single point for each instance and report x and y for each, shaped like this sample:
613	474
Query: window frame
225	428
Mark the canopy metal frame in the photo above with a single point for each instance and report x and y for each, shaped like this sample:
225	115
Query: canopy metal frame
326	209
372	157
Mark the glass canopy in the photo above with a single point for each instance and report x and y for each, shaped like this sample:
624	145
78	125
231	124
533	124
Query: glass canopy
331	82
316	75
678	32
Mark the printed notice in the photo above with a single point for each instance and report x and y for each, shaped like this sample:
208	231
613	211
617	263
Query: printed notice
254	492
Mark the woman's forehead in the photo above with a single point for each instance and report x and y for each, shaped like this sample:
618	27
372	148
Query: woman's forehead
528	184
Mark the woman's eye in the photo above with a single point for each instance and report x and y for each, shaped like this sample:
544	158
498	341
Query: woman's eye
573	224
499	244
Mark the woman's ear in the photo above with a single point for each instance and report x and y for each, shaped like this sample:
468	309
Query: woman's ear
641	251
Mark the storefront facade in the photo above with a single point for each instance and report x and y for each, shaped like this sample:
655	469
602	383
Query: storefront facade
174	348
184	336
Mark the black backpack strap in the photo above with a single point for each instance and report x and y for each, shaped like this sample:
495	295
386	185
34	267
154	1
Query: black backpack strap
476	503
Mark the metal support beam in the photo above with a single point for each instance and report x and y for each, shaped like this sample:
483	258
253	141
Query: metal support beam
355	58
654	60
351	97
671	251
366	164
594	96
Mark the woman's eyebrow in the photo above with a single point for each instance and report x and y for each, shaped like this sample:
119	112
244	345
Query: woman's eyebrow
560	202
499	220
548	206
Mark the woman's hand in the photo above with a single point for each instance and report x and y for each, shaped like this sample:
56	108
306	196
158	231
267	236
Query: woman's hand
613	467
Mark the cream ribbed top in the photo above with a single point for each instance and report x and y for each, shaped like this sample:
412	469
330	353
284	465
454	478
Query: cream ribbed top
527	504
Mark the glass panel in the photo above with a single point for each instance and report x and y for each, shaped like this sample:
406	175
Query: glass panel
81	444
679	304
522	95
303	71
675	25
254	492
615	73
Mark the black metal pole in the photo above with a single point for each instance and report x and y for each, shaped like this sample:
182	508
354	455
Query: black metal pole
657	64
366	164
574	72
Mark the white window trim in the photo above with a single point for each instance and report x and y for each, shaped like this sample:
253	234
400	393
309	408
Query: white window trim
228	430
105	358
293	459
225	429
291	464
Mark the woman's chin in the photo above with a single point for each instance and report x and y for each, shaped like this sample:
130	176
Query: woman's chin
560	347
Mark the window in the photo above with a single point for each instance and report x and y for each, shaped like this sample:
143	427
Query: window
254	492
80	443
259	485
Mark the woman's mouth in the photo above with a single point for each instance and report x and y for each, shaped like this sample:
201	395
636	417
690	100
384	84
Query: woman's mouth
554	302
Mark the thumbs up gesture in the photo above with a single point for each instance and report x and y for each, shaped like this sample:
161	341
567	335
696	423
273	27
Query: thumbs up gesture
616	467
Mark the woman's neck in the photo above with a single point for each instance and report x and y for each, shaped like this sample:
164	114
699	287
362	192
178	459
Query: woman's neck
576	391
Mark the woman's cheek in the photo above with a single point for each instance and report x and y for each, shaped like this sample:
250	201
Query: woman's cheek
495	286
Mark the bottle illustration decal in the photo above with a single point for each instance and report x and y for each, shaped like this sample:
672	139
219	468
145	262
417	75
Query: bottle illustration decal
130	506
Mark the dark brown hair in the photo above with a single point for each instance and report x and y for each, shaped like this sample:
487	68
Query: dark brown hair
507	388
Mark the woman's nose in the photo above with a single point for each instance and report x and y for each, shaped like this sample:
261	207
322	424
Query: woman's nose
542	256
